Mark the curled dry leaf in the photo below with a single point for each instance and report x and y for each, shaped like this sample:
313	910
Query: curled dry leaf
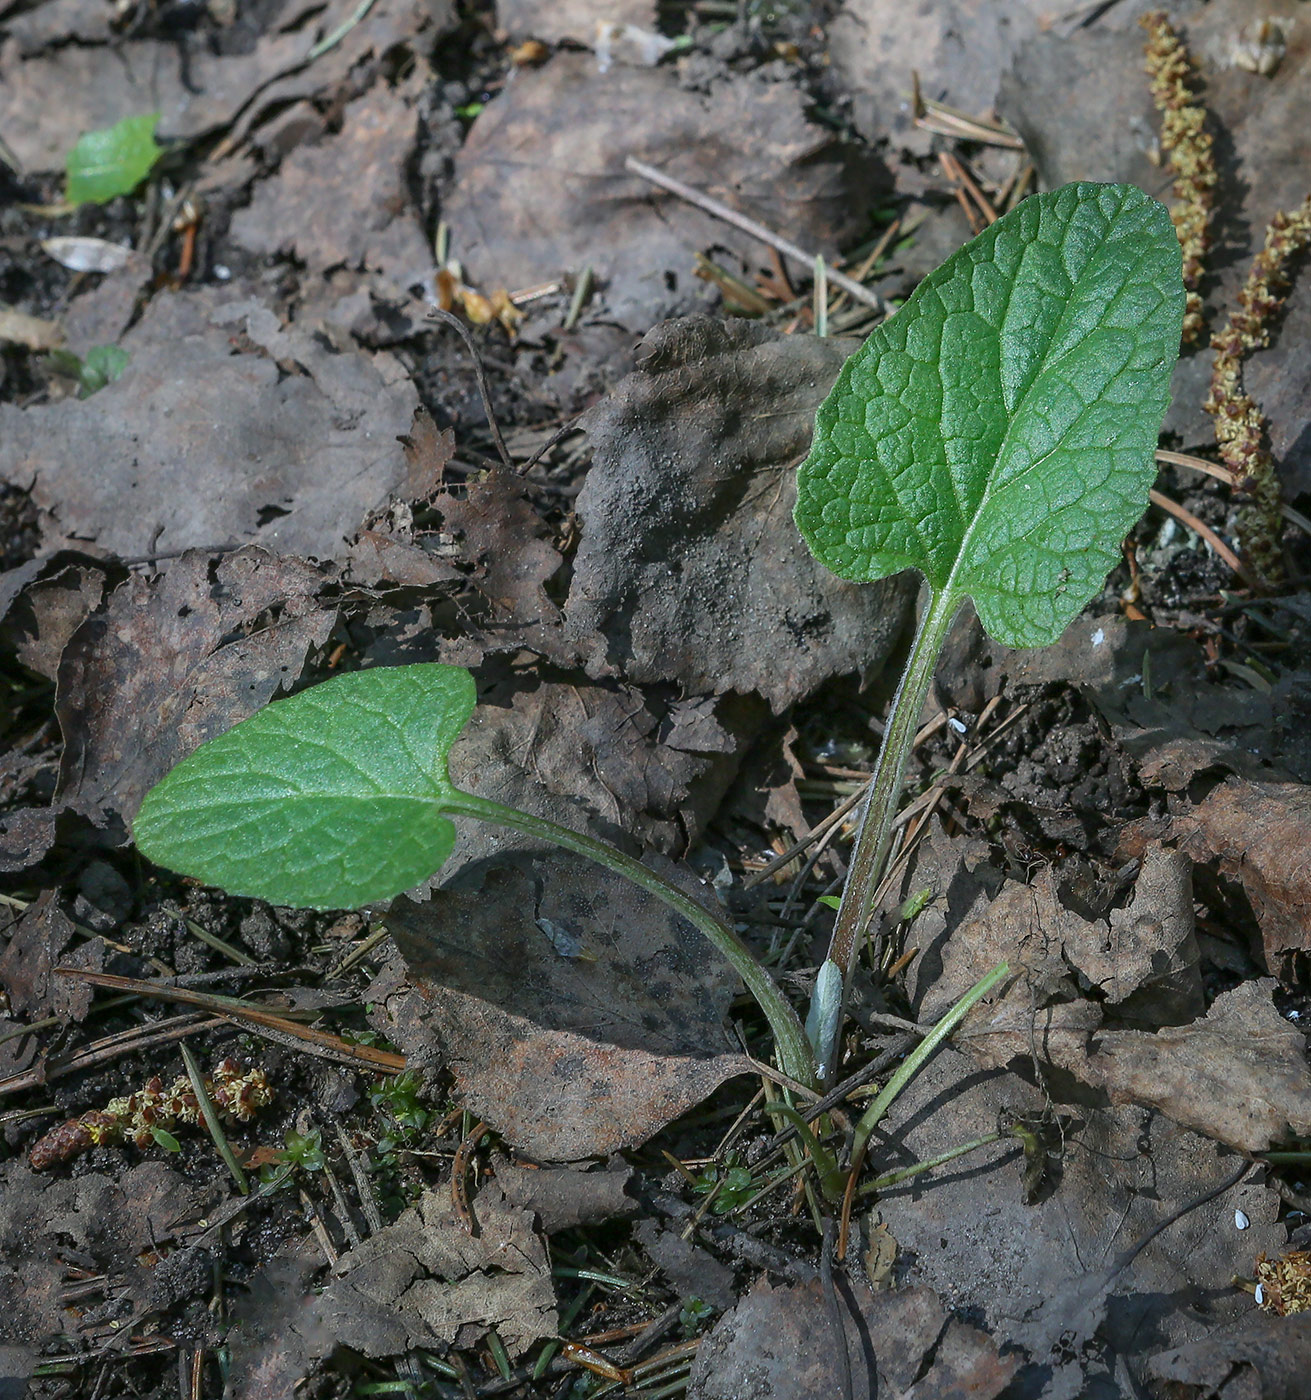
689	567
563	1198
1260	833
423	1281
577	1014
1139	960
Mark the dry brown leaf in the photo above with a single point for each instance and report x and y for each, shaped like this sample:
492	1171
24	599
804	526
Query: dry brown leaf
170	662
1261	835
780	1343
622	763
690	567
541	189
577	1014
195	91
37	943
1151	684
1259	1358
1239	1075
1039	1274
1139	960
109	1227
959	49
505	552
423	1281
344	200
286	442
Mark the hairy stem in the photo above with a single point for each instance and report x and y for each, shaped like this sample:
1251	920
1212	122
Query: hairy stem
793	1049
878	815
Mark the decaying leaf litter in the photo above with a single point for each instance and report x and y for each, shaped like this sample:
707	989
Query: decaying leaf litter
1121	816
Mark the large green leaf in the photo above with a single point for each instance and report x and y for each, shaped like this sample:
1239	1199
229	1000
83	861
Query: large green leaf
327	800
998	432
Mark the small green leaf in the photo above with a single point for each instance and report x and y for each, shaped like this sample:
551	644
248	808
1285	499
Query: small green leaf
998	432
163	1138
103	365
113	161
328	800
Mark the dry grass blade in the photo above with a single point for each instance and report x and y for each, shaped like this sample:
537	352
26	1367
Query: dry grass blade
109	1048
1201	528
785	246
1213	469
231	1009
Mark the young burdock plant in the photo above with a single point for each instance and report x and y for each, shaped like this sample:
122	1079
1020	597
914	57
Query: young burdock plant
997	434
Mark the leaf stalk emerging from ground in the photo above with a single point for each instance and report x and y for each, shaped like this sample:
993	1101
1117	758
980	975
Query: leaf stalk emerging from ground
998	434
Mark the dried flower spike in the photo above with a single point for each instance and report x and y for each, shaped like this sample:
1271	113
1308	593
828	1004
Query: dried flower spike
1284	1284
1187	143
237	1092
1240	426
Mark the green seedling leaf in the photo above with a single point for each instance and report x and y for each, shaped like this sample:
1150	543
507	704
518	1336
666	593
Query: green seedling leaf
998	432
113	161
340	796
327	800
103	365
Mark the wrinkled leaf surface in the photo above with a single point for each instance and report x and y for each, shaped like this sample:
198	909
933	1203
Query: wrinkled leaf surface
998	432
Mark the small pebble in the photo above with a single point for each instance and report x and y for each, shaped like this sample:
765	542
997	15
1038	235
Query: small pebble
1241	1222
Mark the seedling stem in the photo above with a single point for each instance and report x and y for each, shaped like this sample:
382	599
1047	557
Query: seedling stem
879	813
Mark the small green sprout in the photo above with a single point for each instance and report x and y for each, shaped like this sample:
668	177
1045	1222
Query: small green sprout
693	1316
112	161
103	365
732	1183
299	1152
396	1099
997	434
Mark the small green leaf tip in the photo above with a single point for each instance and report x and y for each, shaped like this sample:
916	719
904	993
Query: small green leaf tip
330	799
998	432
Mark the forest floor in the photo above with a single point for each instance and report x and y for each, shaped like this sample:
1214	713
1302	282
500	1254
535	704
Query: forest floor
513	1136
